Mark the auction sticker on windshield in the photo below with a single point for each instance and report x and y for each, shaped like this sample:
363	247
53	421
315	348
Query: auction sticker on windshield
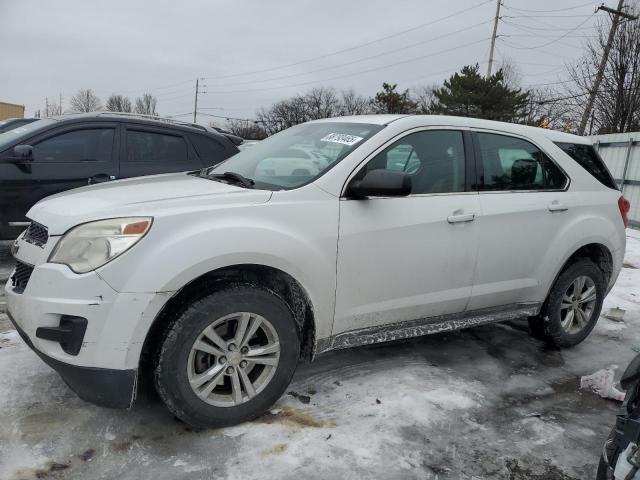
342	138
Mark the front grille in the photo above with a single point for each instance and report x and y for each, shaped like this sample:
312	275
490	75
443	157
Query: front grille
21	276
37	234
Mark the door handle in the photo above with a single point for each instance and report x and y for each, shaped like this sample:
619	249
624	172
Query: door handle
461	217
557	206
99	178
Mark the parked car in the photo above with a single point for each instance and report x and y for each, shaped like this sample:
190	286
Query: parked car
61	153
620	457
11	123
219	282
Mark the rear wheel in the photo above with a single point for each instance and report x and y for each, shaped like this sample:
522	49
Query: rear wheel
228	357
573	306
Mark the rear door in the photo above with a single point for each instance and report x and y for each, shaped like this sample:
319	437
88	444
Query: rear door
523	203
150	150
63	158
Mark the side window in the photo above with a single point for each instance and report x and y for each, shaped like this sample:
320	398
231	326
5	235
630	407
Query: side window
143	146
434	159
90	145
209	150
510	163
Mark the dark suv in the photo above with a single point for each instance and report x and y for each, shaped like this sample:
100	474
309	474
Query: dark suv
11	123
56	154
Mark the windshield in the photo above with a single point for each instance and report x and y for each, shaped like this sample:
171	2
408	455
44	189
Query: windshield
298	155
10	136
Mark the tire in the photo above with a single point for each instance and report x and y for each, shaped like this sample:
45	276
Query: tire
554	325
181	363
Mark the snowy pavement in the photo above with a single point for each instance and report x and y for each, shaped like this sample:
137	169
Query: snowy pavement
484	403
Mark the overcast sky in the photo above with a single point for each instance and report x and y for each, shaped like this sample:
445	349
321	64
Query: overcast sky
161	46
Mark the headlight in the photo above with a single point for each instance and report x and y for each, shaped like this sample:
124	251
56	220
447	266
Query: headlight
91	245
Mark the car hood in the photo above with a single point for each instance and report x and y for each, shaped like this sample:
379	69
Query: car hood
142	196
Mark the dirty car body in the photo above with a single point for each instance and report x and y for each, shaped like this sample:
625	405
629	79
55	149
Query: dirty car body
364	229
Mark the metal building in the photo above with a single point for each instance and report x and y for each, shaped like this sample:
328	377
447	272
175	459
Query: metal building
11	110
621	153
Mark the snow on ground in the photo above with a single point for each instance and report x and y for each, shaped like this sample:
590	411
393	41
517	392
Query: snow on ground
484	403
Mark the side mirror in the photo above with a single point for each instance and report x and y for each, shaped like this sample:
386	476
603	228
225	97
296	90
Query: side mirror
22	153
380	183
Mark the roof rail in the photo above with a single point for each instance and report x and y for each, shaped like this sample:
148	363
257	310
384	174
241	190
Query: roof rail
153	117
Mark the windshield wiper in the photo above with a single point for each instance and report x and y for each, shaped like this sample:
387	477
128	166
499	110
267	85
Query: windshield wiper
234	177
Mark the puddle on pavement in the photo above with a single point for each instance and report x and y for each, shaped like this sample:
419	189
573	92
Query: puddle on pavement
293	417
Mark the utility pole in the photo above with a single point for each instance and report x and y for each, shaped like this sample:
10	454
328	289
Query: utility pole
493	38
46	107
60	104
615	21
195	106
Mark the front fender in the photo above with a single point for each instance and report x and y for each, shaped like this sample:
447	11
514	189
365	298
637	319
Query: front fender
299	241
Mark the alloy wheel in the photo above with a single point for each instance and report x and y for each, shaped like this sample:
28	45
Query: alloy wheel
233	359
578	303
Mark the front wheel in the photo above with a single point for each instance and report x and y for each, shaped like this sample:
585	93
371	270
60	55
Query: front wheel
573	306
228	357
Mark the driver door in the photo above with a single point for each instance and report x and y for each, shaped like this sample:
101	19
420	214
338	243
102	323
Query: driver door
406	258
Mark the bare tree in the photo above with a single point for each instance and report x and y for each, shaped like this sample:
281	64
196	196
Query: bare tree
322	102
617	103
247	129
146	105
284	114
52	109
118	103
423	96
548	109
511	73
352	103
85	101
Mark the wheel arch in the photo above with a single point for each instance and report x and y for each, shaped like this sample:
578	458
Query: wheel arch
275	280
597	252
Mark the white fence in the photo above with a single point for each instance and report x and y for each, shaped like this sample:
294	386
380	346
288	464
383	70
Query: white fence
621	153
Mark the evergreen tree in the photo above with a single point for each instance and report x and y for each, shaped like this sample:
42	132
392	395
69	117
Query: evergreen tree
469	94
390	101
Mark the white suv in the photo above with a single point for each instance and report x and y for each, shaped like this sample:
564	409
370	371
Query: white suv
219	281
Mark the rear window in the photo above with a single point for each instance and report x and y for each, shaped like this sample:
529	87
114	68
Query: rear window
589	159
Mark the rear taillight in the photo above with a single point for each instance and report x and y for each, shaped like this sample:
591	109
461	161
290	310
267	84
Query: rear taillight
624	206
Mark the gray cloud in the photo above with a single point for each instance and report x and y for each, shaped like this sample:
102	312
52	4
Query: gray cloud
129	47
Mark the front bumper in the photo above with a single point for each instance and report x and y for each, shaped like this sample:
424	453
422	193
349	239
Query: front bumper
102	367
102	386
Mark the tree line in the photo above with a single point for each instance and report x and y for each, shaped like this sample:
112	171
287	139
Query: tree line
466	93
85	100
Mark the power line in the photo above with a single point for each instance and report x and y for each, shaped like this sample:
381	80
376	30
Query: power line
547	16
355	47
519	47
529	35
575	7
557	99
184	95
362	59
173	92
554	40
554	28
421	57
